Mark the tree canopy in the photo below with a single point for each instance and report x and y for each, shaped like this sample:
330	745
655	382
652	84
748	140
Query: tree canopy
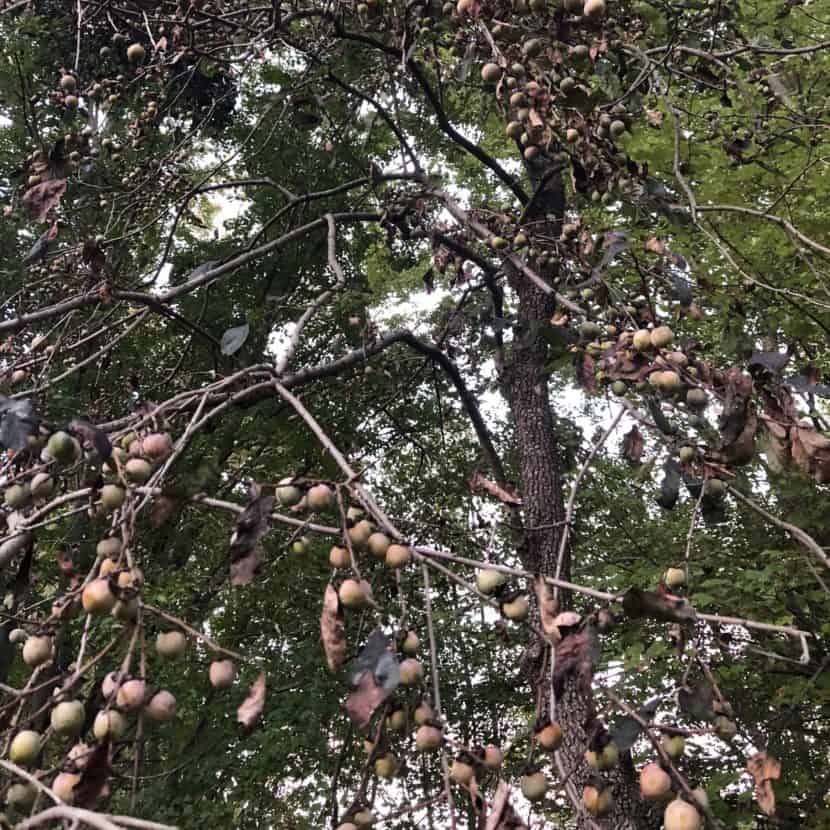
415	414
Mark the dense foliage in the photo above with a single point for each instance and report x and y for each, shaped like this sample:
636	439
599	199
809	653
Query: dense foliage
536	291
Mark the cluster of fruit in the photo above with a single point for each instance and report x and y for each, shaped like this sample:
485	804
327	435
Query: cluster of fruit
124	696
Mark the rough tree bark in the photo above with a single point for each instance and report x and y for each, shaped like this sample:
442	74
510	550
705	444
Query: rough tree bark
526	388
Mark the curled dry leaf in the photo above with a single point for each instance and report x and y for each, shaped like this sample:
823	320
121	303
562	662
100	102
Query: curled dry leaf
764	769
480	482
738	423
363	701
548	609
251	708
41	198
332	629
633	445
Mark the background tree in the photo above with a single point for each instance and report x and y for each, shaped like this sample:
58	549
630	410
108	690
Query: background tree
535	292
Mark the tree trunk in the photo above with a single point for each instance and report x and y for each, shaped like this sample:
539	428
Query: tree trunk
527	391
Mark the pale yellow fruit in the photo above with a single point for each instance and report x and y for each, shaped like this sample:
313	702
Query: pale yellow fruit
534	786
288	494
642	340
111	547
339	558
112	496
352	595
423	712
360	534
25	747
131	695
674	577
597	802
517	609
157	445
594	8
37	650
110	723
42	486
674	745
138	470
398	556
680	815
386	765
461	772
135	53
411	644
655	782
320	497
396	722
107	567
162	707
550	737
412	672
21	797
67	718
64	786
661	337
222	673
428	737
378	543
490	580
97	597
493	757
171	644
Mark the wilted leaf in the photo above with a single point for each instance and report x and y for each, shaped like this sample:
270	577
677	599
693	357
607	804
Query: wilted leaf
233	339
584	368
548	609
498	806
698	700
625	733
738	423
633	445
661	421
362	702
773	362
655	245
663	607
39	250
377	658
682	288
251	708
94	776
654	118
811	452
577	653
670	485
429	281
92	438
245	569
17	422
764	769
478	481
41	198
93	256
252	524
332	629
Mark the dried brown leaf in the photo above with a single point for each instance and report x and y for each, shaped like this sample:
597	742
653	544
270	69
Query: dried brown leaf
499	806
633	445
251	708
362	702
764	769
655	245
738	423
332	629
244	570
41	198
480	482
548	609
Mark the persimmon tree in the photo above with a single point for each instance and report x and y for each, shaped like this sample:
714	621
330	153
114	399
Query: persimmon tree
414	414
